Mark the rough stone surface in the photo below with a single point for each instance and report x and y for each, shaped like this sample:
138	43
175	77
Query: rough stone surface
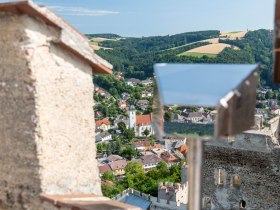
47	120
19	164
248	175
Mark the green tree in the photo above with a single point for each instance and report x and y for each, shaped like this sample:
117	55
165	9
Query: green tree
167	116
100	147
163	169
128	152
122	126
129	134
109	149
269	94
108	176
134	168
110	190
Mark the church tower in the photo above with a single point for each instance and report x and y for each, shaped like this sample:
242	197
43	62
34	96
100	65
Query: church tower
132	117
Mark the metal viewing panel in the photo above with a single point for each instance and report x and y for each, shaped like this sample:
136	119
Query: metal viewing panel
204	99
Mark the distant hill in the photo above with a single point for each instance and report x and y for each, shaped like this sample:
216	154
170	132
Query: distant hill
106	36
135	56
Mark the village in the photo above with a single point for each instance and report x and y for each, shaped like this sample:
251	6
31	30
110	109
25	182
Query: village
129	136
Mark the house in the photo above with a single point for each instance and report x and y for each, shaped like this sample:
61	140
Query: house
140	123
157	146
177	118
143	123
118	167
132	82
103	124
119	76
142	145
147	82
100	92
168	157
171	143
143	104
158	151
121	118
112	158
262	112
98	131
146	152
183	149
104	168
146	94
122	104
98	114
195	117
150	161
104	136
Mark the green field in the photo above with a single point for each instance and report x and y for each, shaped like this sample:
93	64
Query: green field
198	55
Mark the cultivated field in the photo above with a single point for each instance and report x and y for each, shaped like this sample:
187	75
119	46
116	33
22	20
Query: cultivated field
210	48
233	35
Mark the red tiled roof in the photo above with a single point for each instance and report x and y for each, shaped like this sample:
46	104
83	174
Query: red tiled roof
143	120
104	168
103	121
167	157
100	91
183	148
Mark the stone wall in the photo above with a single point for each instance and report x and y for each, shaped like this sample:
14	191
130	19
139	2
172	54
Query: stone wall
47	119
19	164
65	117
249	178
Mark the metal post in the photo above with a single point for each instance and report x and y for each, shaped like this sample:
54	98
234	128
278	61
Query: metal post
195	157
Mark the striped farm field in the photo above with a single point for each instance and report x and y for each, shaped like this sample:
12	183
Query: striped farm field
210	50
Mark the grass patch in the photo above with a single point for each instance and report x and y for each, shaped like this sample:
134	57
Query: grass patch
197	55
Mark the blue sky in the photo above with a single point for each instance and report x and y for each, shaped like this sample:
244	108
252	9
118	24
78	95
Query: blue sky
162	17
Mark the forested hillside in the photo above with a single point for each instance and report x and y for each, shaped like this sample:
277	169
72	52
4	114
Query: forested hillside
136	56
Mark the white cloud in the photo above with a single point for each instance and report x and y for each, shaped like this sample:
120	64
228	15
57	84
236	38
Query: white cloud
79	11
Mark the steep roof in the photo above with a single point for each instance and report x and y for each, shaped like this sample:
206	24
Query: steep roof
143	120
68	37
150	159
103	121
167	157
119	164
104	168
113	158
195	114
